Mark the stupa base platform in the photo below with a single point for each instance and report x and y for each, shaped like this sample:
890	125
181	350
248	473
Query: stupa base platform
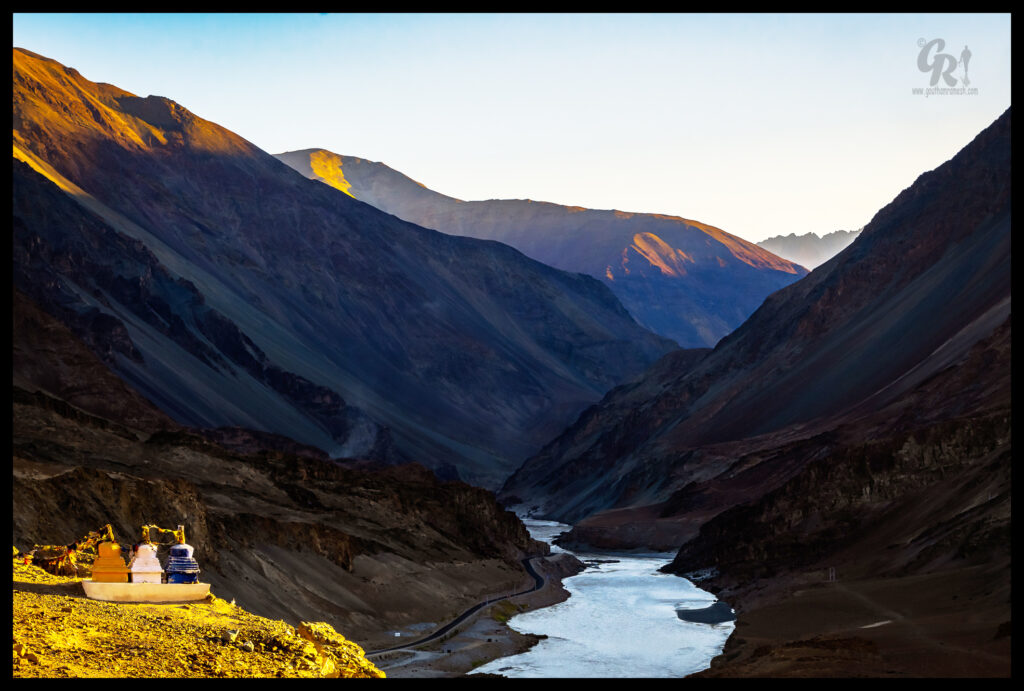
146	592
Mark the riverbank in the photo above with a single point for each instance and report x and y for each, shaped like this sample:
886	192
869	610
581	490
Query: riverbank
485	635
952	623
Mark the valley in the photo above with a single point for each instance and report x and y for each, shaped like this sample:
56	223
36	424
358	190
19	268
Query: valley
373	407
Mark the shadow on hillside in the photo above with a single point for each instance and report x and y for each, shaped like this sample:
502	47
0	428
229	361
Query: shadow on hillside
71	589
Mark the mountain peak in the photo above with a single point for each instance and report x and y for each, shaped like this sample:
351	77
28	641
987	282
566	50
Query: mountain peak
683	279
927	279
285	305
57	103
359	178
810	249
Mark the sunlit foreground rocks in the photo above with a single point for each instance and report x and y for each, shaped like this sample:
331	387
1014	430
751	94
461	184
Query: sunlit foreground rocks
58	632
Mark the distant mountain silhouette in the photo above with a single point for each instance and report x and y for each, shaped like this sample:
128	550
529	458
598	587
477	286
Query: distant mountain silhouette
682	279
232	292
809	250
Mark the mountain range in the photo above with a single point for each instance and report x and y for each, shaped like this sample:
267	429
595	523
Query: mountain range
277	525
809	250
286	533
140	233
926	280
683	279
204	334
230	291
858	422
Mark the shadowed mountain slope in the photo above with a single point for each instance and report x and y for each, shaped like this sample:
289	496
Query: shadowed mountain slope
839	468
685	280
289	536
231	291
928	278
47	357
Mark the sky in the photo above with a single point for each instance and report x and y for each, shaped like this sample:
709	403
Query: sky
759	124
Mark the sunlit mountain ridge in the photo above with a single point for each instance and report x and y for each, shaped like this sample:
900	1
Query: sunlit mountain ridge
255	297
683	279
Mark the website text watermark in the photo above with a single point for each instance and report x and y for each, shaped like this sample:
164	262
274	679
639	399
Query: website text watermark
943	91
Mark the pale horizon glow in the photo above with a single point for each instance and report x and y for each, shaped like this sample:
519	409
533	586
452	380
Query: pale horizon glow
758	124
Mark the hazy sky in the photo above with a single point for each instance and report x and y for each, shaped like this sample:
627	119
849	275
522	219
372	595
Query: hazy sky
758	124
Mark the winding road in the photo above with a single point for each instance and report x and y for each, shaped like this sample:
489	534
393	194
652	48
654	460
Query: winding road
538	584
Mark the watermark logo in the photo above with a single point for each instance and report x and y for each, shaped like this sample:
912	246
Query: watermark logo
945	67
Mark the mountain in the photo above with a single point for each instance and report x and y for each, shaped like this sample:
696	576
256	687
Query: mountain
277	525
48	358
289	536
232	292
926	280
685	280
810	249
858	423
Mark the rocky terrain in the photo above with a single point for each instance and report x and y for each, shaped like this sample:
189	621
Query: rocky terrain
810	250
230	291
404	553
896	564
59	633
288	537
683	279
47	357
927	280
204	337
849	445
277	526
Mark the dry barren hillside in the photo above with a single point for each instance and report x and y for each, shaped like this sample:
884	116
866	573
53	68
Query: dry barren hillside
230	291
683	279
849	445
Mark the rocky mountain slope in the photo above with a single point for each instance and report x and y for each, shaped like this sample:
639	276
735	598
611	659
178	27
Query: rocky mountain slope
859	424
288	537
927	279
47	357
230	291
682	279
277	525
809	250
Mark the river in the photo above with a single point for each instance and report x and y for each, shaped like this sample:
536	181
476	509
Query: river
619	621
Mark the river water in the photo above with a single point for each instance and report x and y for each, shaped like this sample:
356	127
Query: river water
619	621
